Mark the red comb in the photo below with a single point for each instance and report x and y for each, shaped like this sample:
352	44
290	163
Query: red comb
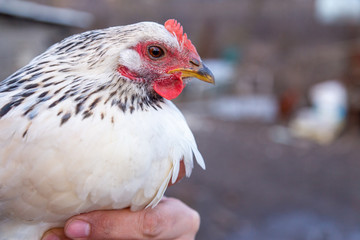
177	30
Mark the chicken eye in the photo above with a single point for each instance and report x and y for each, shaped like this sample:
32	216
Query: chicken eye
156	52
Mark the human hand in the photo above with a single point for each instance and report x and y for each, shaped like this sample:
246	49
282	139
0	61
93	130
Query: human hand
171	219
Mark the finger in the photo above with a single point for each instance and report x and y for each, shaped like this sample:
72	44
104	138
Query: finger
181	221
171	219
55	234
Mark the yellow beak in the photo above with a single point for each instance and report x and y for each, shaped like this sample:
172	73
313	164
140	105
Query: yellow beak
199	71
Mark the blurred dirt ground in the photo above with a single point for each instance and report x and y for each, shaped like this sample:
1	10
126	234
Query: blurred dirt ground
257	189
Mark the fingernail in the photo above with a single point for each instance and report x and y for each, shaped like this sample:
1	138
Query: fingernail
77	229
50	236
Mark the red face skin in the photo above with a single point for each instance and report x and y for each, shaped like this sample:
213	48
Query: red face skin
155	70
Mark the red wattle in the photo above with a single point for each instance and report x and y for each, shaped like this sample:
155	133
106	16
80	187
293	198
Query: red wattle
169	88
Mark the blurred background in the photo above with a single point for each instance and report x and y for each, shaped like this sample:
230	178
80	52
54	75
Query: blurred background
280	131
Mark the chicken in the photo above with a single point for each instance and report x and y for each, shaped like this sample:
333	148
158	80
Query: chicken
88	125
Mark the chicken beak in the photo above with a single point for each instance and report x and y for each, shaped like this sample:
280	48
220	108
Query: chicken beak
198	70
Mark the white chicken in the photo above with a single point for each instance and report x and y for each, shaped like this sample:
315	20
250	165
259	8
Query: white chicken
88	125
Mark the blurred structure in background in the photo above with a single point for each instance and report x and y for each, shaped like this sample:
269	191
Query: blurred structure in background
272	59
335	12
28	28
46	14
325	119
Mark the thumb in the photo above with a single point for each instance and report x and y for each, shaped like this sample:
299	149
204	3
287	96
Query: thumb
108	224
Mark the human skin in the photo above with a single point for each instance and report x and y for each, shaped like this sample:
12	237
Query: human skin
170	219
